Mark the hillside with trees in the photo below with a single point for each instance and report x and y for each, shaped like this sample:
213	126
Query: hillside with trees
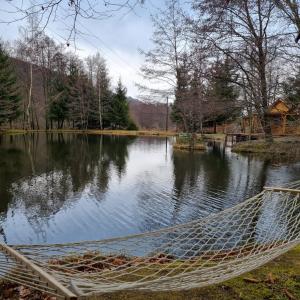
44	86
215	60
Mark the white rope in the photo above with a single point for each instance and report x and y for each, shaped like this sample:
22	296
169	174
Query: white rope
207	251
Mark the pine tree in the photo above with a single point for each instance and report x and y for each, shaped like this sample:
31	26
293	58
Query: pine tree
222	92
119	110
58	108
292	88
9	94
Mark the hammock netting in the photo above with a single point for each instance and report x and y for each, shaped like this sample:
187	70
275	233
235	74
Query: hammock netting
203	252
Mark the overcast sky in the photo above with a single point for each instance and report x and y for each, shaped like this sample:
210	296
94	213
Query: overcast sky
117	39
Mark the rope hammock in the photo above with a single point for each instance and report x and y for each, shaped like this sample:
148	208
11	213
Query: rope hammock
203	252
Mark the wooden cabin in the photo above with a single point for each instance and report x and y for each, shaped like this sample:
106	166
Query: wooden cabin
284	118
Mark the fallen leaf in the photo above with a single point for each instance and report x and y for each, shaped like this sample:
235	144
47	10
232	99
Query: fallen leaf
24	292
270	278
252	280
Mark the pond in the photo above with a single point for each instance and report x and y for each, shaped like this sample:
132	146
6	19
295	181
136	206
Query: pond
58	188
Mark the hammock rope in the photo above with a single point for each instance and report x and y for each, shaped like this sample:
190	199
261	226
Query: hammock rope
203	252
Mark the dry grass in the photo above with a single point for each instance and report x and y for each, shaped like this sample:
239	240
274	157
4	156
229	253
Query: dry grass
95	132
280	146
187	147
278	280
215	136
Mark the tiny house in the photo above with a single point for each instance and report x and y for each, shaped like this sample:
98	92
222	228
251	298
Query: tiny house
284	119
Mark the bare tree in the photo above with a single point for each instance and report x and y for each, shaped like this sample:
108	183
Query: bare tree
27	49
291	11
99	77
46	52
162	63
248	32
68	11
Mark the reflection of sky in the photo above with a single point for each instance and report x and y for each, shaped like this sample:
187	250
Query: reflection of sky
142	198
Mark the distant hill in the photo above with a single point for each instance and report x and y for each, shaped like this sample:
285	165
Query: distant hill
149	115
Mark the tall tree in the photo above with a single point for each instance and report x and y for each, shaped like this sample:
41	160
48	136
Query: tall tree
98	75
291	11
292	88
9	92
119	111
222	92
170	46
27	50
57	106
247	31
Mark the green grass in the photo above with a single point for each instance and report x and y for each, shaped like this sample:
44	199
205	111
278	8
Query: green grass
215	136
183	142
280	146
284	272
277	280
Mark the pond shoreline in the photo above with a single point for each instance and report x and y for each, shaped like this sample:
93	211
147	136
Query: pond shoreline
280	146
93	132
209	137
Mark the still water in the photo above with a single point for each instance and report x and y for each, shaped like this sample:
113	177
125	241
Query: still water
57	188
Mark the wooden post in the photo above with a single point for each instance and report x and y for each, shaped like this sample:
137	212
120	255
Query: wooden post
38	271
167	116
284	124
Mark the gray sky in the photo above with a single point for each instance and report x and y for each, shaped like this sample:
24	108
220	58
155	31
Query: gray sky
117	39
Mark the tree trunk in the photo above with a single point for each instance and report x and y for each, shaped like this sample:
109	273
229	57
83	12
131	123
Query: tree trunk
267	128
28	109
100	107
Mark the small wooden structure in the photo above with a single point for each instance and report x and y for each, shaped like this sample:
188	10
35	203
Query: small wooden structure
233	138
284	118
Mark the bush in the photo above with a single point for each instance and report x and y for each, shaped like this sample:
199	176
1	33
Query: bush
132	125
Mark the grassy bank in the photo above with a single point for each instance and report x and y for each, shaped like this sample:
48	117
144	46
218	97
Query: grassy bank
95	132
215	137
187	142
187	147
278	280
280	146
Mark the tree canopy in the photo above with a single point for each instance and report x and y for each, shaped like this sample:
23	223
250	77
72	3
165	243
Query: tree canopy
9	91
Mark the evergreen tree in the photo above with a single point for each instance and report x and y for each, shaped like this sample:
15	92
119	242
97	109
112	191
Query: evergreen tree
119	110
292	88
58	108
9	94
222	93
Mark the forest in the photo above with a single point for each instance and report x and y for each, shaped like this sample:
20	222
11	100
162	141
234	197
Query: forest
215	60
44	86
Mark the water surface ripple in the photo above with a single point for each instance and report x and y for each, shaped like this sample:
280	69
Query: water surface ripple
57	188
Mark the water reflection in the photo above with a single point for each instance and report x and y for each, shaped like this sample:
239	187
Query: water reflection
64	187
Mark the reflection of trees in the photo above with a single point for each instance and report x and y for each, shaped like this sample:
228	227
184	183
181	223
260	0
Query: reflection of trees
187	167
214	165
205	183
196	177
44	171
217	169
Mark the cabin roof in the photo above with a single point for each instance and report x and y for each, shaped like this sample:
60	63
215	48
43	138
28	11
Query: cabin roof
281	107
